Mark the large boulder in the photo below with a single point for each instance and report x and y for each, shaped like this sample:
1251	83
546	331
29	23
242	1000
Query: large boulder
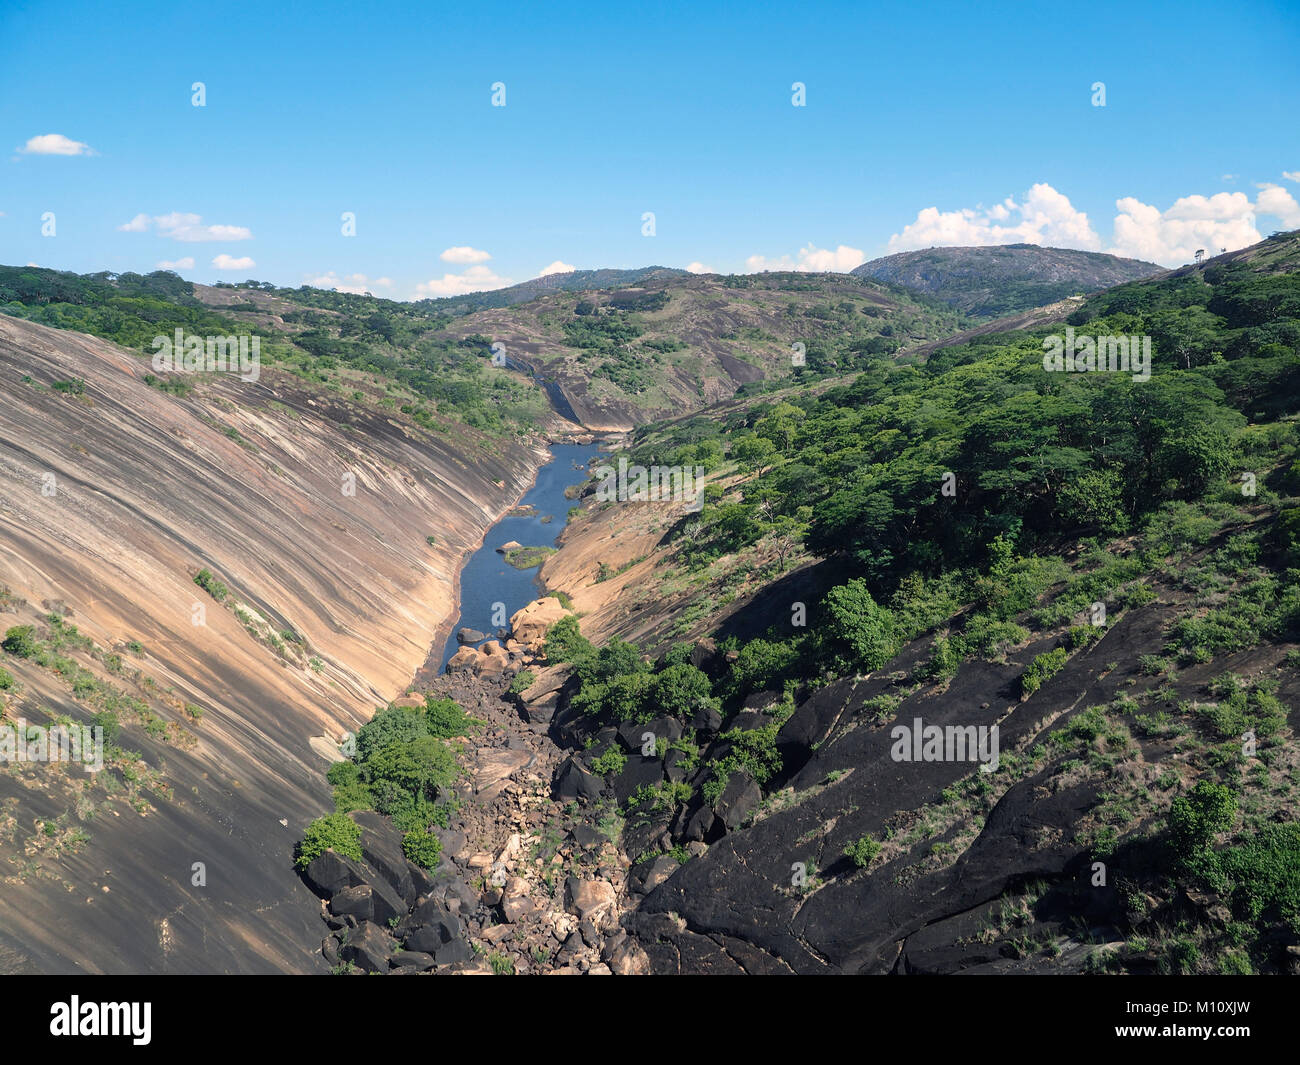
664	730
703	654
540	699
738	800
464	661
470	636
529	625
495	768
589	899
358	902
413	960
492	659
381	847
330	872
389	905
515	909
438	934
638	773
701	825
574	781
368	947
453	842
677	765
646	876
625	957
704	718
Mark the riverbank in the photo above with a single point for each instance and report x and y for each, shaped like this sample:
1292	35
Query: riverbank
442	632
487	590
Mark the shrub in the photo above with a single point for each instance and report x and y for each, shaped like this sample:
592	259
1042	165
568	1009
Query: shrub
422	848
6	680
754	750
612	761
945	658
107	721
761	663
20	641
625	697
401	774
679	690
565	642
1197	817
987	637
444	718
1082	635
205	580
336	832
350	791
522	682
1042	668
1263	874
393	724
862	852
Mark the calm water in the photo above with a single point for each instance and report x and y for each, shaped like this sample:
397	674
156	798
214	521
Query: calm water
487	577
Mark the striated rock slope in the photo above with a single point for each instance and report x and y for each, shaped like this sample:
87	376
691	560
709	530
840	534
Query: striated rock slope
115	495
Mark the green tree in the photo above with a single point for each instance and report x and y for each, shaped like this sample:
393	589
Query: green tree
753	452
393	724
680	690
565	642
1197	817
861	631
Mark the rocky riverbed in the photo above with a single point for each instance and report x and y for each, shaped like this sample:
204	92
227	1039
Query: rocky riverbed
532	879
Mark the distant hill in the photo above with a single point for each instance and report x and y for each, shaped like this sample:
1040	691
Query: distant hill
992	281
573	281
618	358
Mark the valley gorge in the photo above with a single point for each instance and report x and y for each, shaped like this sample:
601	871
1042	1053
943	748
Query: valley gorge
664	743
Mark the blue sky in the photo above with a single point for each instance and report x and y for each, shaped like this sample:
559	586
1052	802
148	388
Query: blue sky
924	124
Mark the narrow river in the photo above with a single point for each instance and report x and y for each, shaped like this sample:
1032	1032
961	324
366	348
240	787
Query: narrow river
487	578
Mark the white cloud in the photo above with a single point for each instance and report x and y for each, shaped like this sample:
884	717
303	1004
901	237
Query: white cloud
475	279
1291	175
699	268
55	144
1224	220
464	254
226	262
1228	177
184	227
810	260
1045	217
358	284
180	264
1276	201
556	267
1171	237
